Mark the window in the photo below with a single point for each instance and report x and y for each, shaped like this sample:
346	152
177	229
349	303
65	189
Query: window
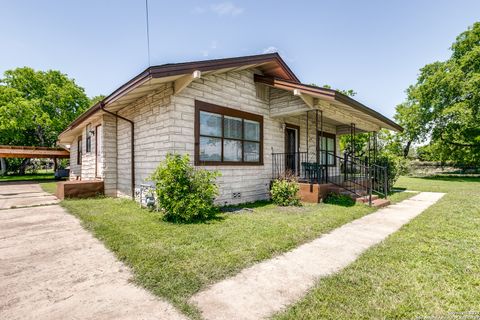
327	148
88	142
227	136
79	150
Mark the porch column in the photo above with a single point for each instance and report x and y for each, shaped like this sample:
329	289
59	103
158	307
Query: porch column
322	147
306	135
352	138
317	149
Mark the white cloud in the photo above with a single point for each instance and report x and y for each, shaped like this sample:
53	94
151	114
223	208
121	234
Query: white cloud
222	9
226	8
270	49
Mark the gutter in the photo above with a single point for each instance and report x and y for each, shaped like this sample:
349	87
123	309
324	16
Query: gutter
132	147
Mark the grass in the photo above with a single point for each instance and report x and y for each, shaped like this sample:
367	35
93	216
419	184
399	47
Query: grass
177	260
430	268
40	176
49	186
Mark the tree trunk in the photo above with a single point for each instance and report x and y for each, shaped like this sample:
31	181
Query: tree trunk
23	166
3	167
406	150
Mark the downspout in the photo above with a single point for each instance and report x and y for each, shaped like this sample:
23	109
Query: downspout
132	147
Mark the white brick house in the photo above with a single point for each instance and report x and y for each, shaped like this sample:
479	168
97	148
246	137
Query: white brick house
229	114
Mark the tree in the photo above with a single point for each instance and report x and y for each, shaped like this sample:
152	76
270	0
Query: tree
443	107
35	106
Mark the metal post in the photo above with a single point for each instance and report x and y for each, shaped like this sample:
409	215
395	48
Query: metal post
317	146
306	135
322	147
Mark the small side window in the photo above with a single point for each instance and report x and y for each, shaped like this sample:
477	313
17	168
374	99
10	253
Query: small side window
79	150
88	140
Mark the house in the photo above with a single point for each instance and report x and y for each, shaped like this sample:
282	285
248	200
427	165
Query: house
248	117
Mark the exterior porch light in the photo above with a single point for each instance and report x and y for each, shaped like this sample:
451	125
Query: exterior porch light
283	126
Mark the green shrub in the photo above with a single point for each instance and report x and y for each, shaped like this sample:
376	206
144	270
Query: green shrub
285	192
184	193
396	166
339	199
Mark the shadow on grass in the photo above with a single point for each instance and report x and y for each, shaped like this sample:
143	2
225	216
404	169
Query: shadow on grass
243	206
339	200
450	178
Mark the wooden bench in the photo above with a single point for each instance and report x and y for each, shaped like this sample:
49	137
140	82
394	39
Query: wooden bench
79	189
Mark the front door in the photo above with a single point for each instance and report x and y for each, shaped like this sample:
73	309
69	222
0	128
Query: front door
291	148
98	151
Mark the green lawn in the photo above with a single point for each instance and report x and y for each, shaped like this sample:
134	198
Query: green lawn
49	186
176	260
431	267
28	177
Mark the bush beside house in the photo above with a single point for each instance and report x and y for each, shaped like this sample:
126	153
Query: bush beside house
284	192
185	194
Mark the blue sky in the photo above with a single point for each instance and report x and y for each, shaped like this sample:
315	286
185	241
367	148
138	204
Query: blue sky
372	47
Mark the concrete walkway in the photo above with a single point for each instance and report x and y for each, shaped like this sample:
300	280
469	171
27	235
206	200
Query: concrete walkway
21	194
51	268
268	287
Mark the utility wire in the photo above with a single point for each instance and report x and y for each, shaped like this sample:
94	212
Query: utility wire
148	33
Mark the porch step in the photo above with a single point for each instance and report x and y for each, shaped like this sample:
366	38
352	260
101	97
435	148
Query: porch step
361	196
365	198
380	203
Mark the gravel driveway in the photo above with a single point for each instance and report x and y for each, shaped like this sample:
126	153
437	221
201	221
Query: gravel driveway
51	268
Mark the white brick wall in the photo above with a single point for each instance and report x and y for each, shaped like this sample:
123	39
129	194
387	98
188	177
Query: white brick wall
165	123
151	118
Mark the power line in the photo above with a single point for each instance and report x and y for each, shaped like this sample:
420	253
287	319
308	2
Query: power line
148	33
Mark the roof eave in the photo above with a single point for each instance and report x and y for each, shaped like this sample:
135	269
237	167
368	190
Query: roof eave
329	94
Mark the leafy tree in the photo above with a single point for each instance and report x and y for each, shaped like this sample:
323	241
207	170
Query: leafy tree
443	107
35	106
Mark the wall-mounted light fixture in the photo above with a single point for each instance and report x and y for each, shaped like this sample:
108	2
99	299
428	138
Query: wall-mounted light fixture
283	126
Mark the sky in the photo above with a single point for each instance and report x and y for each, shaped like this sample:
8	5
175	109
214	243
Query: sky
375	48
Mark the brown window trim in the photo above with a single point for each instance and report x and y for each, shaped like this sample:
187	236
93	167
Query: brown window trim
79	150
224	111
96	151
88	138
334	137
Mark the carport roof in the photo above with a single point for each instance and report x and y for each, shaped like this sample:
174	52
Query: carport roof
32	152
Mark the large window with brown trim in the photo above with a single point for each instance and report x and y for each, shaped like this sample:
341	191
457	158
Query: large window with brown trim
79	150
227	136
327	148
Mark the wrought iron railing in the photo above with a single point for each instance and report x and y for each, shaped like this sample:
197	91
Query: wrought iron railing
354	175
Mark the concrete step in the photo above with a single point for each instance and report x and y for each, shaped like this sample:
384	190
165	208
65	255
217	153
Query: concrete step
380	203
365	199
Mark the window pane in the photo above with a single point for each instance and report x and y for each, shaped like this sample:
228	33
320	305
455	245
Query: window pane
323	143
232	150
252	152
331	159
210	124
252	130
331	144
210	149
232	127
323	157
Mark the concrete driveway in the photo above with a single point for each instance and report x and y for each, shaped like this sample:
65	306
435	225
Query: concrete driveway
51	268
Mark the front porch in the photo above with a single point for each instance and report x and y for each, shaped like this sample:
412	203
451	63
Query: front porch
323	168
313	119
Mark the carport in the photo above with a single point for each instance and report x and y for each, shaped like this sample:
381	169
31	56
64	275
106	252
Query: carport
32	153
